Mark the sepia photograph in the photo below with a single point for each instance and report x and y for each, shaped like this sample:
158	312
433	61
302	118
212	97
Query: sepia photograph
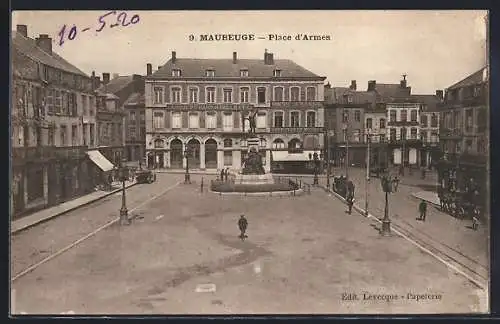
249	162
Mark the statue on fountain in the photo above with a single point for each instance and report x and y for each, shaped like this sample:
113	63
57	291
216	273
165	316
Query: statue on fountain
253	163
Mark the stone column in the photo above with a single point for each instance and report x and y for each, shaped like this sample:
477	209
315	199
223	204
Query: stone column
267	167
184	146
202	156
166	159
220	159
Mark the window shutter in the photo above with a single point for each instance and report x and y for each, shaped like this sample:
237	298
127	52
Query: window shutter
202	119
184	94
185	122
219	119
236	121
167	119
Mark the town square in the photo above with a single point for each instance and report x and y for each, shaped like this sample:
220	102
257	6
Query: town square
250	171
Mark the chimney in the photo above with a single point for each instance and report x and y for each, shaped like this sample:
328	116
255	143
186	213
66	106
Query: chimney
174	56
235	57
403	82
105	78
92	80
268	58
439	94
115	75
149	69
45	43
371	85
353	85
23	30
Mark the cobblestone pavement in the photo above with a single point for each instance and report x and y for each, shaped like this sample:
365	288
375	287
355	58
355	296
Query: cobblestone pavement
303	255
451	235
36	243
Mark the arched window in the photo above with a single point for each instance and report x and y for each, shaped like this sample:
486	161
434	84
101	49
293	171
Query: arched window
311	94
278	144
294	146
158	143
278	94
228	142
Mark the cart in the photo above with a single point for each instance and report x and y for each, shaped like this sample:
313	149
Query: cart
145	176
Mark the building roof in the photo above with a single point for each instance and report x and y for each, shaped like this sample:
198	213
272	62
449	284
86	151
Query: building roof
336	95
28	47
475	78
224	68
135	99
116	84
431	101
387	91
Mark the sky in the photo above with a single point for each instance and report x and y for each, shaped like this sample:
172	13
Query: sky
435	49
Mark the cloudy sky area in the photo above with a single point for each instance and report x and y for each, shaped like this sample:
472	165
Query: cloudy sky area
434	48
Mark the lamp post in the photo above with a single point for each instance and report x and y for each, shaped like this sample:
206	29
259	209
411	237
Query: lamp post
187	177
387	186
345	127
123	210
316	166
368	159
327	156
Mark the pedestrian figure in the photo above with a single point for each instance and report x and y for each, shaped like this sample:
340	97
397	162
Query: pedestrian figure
243	224
396	183
423	210
475	222
227	173
222	175
350	202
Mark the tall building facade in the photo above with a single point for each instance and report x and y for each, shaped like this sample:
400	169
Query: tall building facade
201	107
430	152
464	136
53	115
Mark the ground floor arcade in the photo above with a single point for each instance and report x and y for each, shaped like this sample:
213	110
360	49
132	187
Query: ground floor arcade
222	151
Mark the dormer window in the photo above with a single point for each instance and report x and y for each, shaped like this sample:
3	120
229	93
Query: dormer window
210	73
244	73
277	73
176	73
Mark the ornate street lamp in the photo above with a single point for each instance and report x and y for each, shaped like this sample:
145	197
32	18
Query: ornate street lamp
387	186
316	167
123	210
187	177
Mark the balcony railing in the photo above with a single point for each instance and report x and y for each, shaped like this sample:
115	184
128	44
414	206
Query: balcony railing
297	104
459	158
447	132
300	130
210	106
22	154
403	123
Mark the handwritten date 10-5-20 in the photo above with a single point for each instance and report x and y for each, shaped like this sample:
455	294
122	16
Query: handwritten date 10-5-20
116	20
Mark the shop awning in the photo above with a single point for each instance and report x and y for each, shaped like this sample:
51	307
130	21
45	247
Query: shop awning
281	156
100	160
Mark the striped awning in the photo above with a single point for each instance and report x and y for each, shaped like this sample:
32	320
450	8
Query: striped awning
100	160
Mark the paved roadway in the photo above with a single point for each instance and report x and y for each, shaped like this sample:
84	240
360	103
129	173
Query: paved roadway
302	254
450	235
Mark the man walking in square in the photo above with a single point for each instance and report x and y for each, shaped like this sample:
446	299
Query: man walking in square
242	225
423	210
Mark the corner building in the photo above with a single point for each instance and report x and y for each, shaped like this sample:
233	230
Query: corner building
200	105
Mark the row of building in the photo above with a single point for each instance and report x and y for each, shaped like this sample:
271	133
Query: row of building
69	130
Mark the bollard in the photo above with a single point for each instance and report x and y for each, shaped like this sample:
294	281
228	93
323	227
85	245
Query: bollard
201	184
